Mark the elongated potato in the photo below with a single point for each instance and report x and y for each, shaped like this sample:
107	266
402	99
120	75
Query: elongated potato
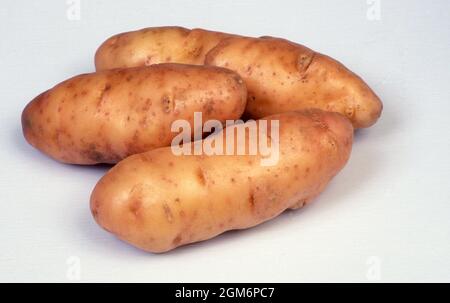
157	45
282	76
158	201
106	116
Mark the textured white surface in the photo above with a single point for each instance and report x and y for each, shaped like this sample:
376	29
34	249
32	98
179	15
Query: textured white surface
392	201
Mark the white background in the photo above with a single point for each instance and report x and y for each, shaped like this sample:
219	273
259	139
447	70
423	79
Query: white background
385	217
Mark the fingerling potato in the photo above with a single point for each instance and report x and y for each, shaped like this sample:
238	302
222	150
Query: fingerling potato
158	201
157	45
106	116
283	76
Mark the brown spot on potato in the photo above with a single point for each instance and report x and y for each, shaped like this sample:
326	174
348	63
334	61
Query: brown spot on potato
197	51
93	154
106	88
208	107
201	176
95	208
147	105
135	206
166	104
251	199
168	212
350	111
148	60
304	61
177	239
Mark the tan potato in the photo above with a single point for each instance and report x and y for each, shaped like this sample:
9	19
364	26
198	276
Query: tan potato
158	201
106	116
282	76
156	45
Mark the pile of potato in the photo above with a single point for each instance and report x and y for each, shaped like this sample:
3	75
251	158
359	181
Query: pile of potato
147	79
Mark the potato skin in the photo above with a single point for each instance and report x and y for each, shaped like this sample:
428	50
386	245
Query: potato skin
157	45
158	201
106	116
282	76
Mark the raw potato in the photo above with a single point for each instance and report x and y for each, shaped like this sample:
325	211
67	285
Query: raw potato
158	201
157	45
282	76
106	116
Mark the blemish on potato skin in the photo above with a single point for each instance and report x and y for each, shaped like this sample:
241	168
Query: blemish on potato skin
147	105
251	199
168	212
92	154
177	239
135	206
148	60
201	176
208	107
166	102
95	208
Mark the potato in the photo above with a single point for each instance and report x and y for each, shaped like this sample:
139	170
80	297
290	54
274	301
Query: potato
157	45
282	76
106	116
158	200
